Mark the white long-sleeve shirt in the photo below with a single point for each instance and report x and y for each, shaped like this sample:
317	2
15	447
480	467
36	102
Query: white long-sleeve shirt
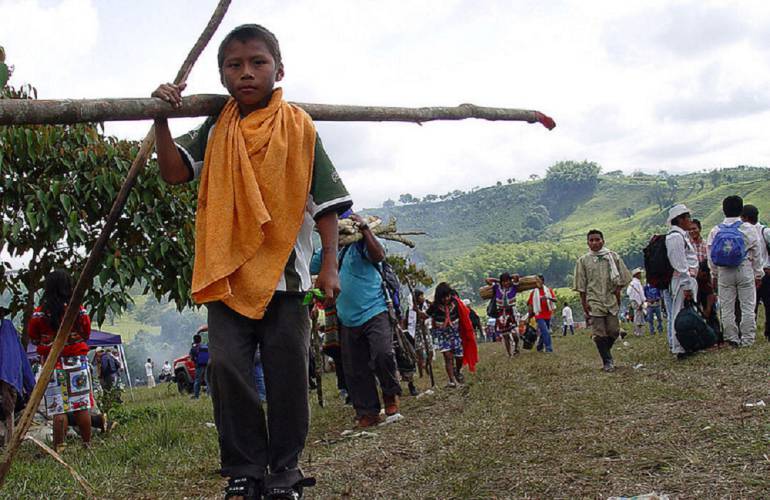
751	239
635	291
680	251
764	241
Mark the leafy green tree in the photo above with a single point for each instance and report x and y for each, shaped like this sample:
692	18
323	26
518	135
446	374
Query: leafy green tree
407	199
715	176
58	183
388	203
567	183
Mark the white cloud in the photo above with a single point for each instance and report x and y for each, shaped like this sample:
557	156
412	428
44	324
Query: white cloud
632	85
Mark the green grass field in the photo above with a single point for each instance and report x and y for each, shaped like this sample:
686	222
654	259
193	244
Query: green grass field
535	426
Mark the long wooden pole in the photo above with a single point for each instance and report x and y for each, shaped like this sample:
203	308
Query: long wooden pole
95	257
38	112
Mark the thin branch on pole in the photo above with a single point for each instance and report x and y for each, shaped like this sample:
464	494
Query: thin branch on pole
39	112
95	257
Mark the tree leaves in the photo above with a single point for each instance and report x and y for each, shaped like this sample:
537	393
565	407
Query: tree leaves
58	184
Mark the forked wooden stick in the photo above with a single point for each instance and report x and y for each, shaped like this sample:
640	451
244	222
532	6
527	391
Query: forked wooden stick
95	257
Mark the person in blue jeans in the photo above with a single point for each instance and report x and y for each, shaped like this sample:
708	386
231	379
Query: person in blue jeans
653	298
541	303
199	352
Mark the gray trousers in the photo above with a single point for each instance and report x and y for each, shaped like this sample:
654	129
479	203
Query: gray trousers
249	445
367	355
738	284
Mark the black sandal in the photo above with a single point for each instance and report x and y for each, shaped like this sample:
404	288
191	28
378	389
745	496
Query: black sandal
290	493
246	487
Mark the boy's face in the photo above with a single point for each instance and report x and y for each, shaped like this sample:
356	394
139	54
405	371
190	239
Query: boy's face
249	73
595	242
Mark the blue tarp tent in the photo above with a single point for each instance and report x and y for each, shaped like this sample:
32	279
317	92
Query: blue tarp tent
97	339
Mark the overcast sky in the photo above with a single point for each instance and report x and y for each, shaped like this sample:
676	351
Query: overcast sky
645	85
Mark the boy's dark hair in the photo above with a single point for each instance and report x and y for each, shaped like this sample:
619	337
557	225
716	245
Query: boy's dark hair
246	32
505	277
542	278
750	213
594	231
732	206
149	360
418	294
697	223
197	339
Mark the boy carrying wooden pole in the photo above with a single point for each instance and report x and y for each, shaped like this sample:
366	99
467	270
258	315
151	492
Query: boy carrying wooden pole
265	180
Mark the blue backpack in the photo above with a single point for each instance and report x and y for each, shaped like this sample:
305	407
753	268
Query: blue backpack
728	248
202	358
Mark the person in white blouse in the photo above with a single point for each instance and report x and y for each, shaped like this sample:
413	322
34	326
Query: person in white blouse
635	292
738	282
567	320
684	260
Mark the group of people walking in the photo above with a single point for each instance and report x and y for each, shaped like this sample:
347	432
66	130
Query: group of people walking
252	267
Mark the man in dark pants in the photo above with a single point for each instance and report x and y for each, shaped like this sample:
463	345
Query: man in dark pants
365	330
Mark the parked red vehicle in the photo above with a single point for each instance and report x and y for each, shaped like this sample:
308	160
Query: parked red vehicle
184	367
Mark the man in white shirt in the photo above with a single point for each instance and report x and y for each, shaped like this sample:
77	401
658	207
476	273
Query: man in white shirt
148	372
684	260
736	282
567	320
635	292
750	215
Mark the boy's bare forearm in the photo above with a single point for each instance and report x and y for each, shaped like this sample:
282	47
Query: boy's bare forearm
328	231
172	168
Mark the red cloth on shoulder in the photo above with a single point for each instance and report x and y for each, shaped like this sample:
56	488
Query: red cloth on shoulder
468	337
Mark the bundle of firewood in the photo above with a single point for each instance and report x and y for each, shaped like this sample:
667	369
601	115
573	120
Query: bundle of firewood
349	232
525	283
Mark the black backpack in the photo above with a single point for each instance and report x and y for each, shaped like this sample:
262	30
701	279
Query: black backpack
692	331
656	264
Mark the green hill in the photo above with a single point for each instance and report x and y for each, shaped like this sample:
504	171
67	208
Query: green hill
540	225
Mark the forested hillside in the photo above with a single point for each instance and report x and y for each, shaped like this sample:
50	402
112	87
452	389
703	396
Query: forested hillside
539	225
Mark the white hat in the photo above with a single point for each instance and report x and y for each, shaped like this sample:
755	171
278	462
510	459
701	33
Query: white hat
637	270
676	211
467	302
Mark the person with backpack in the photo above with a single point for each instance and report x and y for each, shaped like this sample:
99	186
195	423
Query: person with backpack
109	369
502	307
600	276
199	353
736	266
681	254
750	215
366	332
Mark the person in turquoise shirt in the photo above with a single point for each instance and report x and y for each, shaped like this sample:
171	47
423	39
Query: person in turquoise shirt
365	330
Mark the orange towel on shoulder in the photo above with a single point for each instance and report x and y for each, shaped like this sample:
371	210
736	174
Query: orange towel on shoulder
251	203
